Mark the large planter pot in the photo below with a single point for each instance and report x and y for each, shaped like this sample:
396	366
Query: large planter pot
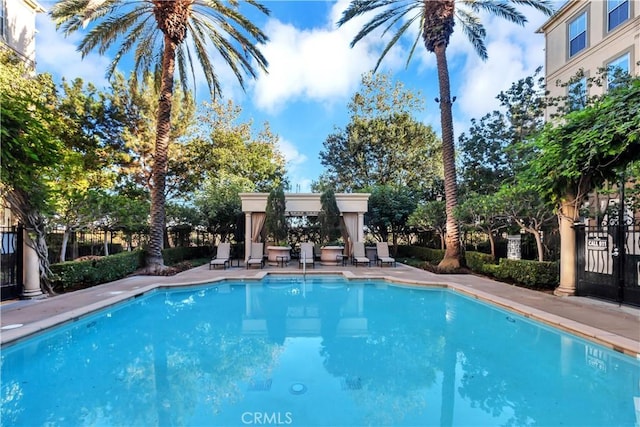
278	254
329	254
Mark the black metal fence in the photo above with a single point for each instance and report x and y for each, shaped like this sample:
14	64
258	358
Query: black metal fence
608	262
10	262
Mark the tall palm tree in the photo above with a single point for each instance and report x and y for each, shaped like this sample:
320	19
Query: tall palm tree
163	34
437	19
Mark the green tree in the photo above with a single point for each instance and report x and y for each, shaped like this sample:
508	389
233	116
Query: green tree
483	158
580	153
159	31
219	202
485	213
276	221
430	216
329	217
436	20
524	207
31	151
224	145
382	144
389	210
138	101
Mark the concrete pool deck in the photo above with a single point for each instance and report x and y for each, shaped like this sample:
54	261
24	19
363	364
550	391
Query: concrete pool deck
609	324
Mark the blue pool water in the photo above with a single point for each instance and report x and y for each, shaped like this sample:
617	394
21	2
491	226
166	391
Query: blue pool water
323	352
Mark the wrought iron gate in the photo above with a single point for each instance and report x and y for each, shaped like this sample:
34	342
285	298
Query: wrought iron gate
10	262
608	262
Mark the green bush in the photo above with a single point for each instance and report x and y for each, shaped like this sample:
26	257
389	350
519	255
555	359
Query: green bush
432	256
476	261
178	254
93	272
531	274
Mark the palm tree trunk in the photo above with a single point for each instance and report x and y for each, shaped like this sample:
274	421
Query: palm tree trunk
154	261
452	254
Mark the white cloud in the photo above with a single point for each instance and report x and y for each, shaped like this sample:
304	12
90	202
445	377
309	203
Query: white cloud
316	64
514	53
58	55
295	166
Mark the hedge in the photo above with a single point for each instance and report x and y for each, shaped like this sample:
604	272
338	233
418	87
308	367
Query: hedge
113	267
432	256
96	271
530	274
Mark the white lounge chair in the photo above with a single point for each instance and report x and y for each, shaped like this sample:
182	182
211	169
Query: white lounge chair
256	257
306	255
359	255
383	254
223	257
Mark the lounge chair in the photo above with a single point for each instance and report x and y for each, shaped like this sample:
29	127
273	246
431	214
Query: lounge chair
223	256
256	257
306	255
359	256
383	254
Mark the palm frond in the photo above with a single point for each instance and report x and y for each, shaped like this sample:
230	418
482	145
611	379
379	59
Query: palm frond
394	40
544	6
499	8
474	30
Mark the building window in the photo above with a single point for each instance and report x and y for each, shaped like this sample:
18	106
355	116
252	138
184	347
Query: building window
578	34
577	94
617	13
618	69
3	14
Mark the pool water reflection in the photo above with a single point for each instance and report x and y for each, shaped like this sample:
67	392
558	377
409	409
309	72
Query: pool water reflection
323	351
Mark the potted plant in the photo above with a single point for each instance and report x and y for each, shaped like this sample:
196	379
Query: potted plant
276	227
330	229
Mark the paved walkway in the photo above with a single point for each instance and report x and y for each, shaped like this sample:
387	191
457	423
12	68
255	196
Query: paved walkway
614	326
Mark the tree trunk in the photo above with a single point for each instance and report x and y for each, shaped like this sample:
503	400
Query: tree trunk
539	248
65	241
492	243
106	242
453	253
154	261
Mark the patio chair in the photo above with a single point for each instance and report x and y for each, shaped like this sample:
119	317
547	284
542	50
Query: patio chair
306	255
383	255
359	256
256	257
223	256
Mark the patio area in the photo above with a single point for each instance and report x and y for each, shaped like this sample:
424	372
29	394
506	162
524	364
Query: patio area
614	326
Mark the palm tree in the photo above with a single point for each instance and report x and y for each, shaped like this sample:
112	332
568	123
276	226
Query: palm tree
166	34
436	19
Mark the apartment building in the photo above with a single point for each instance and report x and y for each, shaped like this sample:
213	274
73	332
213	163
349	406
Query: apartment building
18	33
589	35
18	27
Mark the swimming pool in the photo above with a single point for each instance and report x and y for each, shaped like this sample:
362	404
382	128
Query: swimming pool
323	351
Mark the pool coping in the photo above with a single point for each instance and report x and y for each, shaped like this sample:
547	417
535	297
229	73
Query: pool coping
545	308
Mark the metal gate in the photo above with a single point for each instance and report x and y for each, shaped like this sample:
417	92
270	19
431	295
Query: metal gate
608	262
10	262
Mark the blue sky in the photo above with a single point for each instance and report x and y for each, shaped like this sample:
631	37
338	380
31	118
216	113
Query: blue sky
313	73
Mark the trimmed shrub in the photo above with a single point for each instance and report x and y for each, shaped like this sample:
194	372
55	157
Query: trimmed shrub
432	256
178	254
476	261
530	274
93	272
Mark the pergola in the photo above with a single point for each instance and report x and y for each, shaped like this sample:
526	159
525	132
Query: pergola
352	207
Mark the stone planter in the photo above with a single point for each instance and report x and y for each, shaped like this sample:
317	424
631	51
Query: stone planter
274	254
329	254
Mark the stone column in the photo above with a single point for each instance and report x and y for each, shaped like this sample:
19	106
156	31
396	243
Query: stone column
30	271
360	227
567	251
247	235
